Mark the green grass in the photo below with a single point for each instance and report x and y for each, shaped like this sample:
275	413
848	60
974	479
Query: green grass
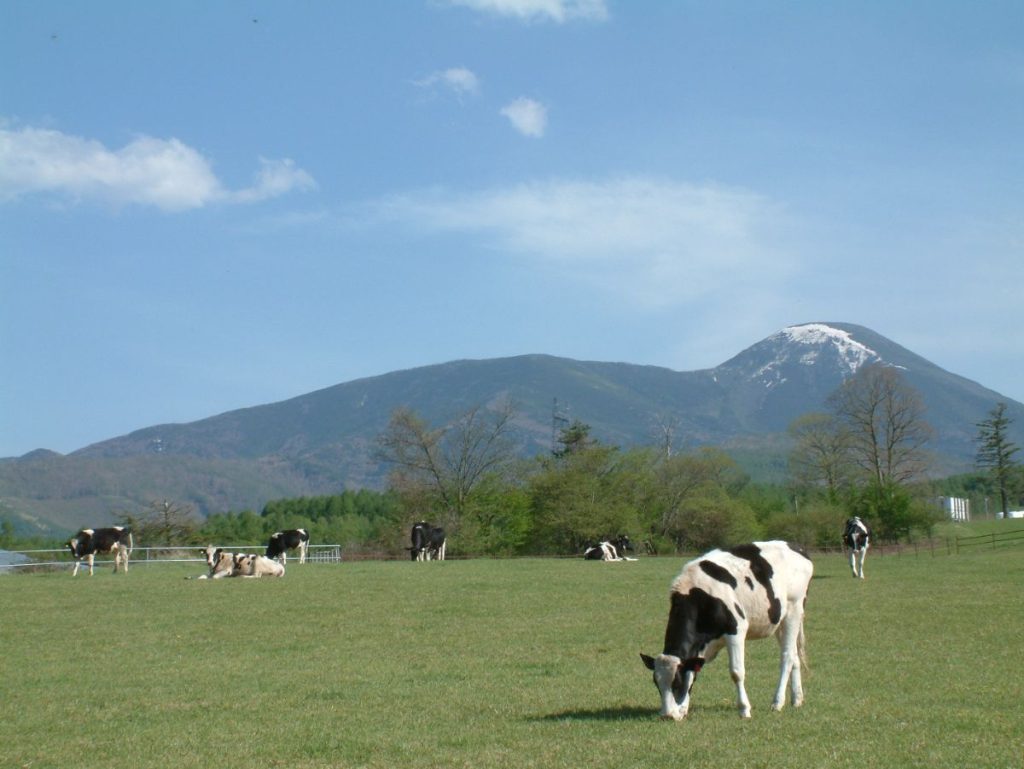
525	663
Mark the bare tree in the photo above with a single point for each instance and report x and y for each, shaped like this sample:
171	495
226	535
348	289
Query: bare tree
448	461
819	456
884	421
666	425
162	523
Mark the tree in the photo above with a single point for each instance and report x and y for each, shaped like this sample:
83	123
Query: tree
574	439
820	454
883	418
995	451
582	496
440	467
691	500
163	523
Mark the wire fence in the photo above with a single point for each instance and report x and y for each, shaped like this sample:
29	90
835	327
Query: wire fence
52	559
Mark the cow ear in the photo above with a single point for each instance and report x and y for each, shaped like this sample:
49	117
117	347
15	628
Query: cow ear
648	660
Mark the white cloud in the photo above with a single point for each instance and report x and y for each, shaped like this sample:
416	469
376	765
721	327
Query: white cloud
558	11
459	79
529	117
275	178
164	173
656	243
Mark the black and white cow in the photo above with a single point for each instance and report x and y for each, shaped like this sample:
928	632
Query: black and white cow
428	542
256	566
282	541
721	599
220	562
226	564
609	550
857	537
87	542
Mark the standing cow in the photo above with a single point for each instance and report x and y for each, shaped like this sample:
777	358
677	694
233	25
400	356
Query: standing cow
282	541
721	599
87	542
428	542
857	538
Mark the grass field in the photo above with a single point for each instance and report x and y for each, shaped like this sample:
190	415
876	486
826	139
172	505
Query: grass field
482	663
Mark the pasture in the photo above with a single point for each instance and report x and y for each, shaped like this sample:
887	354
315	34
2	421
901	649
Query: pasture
513	663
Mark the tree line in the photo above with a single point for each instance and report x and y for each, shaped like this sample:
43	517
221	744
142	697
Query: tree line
865	455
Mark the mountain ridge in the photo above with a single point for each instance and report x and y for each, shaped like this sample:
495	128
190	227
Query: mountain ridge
322	442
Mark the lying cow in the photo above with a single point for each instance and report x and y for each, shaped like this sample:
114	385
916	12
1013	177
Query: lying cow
290	539
857	538
721	599
609	550
87	542
224	564
256	566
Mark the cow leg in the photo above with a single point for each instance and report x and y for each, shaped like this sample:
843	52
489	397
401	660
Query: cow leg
853	562
302	551
737	669
90	557
863	555
789	662
78	562
440	552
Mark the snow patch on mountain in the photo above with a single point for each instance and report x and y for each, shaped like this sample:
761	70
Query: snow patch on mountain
815	336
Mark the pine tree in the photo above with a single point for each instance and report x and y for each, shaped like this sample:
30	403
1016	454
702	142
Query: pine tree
995	451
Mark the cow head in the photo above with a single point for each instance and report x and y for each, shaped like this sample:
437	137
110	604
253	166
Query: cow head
674	678
212	555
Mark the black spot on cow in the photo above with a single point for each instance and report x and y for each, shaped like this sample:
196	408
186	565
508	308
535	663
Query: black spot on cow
749	581
762	571
799	550
696	619
720	573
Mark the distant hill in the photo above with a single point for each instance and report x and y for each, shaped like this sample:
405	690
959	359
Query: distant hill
323	442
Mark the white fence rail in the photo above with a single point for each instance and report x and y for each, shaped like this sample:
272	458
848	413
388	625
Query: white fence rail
18	559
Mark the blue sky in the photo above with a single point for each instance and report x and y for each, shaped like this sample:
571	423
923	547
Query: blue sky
206	206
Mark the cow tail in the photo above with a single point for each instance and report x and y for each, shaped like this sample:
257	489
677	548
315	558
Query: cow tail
131	542
801	649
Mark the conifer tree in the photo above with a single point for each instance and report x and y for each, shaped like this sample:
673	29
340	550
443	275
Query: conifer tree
995	451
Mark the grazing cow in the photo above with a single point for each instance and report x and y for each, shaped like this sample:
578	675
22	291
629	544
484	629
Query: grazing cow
721	599
87	542
609	550
418	536
281	541
437	543
429	543
857	537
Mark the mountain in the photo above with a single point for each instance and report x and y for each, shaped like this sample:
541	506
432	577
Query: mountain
324	441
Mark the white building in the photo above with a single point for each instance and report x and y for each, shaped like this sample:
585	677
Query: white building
956	508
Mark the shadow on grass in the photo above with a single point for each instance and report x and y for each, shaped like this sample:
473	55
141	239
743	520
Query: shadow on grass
630	713
622	713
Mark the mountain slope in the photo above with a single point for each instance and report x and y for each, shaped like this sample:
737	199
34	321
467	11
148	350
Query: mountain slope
324	441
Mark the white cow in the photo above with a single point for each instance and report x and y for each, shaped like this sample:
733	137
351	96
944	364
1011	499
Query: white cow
721	599
224	564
